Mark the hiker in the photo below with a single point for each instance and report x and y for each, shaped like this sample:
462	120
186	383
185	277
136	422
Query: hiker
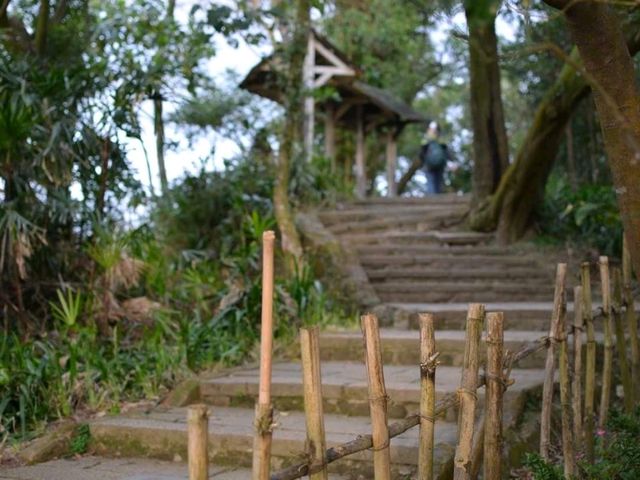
434	156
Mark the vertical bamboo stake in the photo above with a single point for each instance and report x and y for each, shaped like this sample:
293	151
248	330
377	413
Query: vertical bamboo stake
198	436
467	393
312	384
607	369
576	387
428	364
630	314
565	394
547	389
377	398
264	411
590	364
494	393
621	342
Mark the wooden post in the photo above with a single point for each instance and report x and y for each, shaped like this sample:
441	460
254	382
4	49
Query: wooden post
607	368
630	314
198	437
565	393
428	364
330	134
547	389
467	393
590	365
361	172
392	159
621	342
312	385
264	411
377	398
495	386
576	387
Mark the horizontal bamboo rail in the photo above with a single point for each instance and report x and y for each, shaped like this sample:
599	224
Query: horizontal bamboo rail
365	442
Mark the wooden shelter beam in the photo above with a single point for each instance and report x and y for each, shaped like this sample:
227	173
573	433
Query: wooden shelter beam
392	159
309	101
361	179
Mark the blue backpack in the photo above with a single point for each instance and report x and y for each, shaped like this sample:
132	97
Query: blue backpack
434	155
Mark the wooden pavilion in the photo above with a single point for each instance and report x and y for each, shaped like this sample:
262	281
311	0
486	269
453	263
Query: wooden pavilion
359	107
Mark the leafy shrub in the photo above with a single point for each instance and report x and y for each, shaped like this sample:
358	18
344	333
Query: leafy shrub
588	216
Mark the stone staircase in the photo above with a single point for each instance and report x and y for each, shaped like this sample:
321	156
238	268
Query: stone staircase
416	256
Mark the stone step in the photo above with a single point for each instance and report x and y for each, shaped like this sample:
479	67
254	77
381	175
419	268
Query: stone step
529	316
376	202
460	273
402	347
161	434
413	237
449	292
103	468
417	211
448	250
419	223
434	261
344	387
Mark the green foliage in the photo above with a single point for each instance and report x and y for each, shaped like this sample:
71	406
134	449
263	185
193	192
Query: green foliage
542	470
68	309
587	216
80	440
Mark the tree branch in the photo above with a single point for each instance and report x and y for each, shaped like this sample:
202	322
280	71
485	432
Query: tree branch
42	25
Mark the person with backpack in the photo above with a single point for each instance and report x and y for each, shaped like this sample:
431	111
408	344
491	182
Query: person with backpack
434	156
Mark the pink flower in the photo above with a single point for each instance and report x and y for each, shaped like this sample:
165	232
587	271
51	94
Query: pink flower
601	432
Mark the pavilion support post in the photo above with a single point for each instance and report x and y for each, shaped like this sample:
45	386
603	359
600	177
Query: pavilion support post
392	159
330	135
309	101
361	178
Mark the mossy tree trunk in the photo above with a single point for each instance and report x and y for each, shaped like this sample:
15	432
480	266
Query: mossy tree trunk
597	32
521	188
289	148
490	148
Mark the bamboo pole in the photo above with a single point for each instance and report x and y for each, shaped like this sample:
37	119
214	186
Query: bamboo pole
547	389
364	442
621	342
198	436
494	396
607	369
312	385
576	387
377	398
630	314
467	393
590	364
264	411
428	364
568	451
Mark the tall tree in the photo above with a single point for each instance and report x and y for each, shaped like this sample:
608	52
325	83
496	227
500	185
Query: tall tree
598	34
290	145
511	207
490	148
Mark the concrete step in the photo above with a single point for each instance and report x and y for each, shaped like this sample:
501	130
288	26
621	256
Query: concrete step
402	347
103	468
529	316
415	237
459	274
376	202
162	434
432	221
448	250
344	387
435	261
452	292
416	211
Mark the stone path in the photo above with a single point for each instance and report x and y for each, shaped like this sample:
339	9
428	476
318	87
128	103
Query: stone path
410	256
